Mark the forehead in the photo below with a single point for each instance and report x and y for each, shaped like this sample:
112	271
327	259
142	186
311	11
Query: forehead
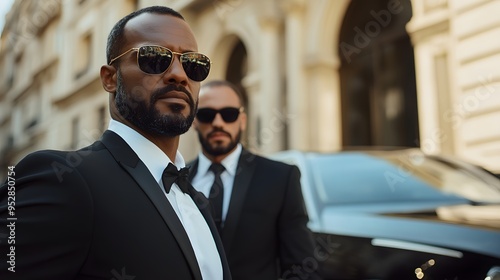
160	29
218	97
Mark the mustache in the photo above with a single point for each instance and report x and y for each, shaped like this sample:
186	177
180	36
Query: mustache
218	130
157	94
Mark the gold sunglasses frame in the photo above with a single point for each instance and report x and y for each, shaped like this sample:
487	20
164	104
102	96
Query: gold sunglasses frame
173	53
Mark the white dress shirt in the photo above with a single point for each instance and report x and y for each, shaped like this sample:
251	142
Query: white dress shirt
204	179
188	213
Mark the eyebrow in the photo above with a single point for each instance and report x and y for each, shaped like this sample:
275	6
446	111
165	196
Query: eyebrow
182	50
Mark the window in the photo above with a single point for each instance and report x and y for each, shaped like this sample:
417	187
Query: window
82	56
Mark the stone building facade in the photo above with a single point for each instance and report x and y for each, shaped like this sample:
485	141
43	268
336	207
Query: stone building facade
317	74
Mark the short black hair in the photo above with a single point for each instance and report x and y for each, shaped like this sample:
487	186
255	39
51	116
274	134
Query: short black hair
220	83
116	37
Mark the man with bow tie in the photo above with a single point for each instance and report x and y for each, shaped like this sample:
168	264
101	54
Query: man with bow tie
122	208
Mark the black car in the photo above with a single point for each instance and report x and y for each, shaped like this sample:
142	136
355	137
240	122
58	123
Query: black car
400	214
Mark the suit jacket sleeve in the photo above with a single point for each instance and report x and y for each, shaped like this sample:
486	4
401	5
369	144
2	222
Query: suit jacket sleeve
54	218
296	241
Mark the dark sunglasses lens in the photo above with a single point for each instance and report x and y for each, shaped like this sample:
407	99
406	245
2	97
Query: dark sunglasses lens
229	114
196	66
154	59
206	115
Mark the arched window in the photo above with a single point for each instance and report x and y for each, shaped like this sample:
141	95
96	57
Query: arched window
378	89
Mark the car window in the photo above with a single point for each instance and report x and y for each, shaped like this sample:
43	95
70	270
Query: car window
449	177
360	178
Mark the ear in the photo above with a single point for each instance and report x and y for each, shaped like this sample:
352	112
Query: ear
195	124
243	116
108	78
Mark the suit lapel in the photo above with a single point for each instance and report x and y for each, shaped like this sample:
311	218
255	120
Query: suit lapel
138	170
193	168
242	179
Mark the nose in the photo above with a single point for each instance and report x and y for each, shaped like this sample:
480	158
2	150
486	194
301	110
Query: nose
218	120
175	73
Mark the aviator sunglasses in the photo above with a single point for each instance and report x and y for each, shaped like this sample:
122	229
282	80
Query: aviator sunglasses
157	59
228	114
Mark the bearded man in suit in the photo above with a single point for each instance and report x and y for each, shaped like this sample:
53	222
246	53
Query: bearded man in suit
120	208
257	202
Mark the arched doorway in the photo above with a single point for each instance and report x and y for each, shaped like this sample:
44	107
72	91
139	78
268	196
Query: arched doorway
378	89
236	71
237	66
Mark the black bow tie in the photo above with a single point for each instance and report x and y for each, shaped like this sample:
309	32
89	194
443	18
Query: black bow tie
172	175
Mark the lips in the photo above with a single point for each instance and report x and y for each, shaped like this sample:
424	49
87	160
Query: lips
218	134
174	96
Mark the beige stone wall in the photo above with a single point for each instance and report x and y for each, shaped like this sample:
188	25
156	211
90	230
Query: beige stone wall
457	53
53	50
292	78
55	99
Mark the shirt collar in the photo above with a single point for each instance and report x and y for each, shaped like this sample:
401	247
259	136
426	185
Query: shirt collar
152	156
230	162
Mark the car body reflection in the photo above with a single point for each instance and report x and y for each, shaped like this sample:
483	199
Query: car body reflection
400	214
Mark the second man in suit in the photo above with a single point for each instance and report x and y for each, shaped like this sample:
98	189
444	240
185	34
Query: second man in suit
257	202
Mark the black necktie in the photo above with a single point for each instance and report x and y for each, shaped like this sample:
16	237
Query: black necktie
172	175
217	193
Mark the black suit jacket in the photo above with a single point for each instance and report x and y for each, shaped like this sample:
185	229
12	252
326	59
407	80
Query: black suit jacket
265	233
96	213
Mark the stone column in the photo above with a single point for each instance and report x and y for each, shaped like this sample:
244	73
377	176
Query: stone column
251	82
297	115
431	39
272	126
323	91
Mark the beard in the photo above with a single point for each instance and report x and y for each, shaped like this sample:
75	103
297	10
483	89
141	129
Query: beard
217	150
142	113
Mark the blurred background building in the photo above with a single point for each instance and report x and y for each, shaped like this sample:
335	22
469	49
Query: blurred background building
317	74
